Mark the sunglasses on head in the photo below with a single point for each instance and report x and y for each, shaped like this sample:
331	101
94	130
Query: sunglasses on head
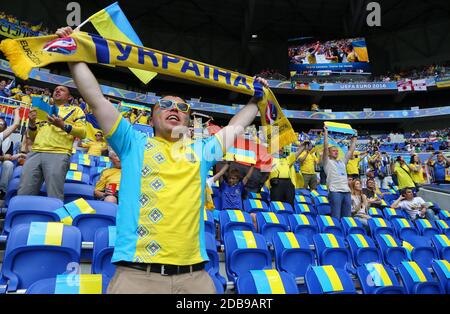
167	104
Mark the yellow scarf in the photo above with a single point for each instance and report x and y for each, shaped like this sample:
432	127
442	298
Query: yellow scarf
33	52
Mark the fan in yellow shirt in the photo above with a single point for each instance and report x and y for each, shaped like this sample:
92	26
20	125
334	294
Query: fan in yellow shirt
416	170
308	162
107	187
97	147
53	138
401	170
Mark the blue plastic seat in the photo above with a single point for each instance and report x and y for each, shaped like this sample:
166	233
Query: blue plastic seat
212	267
210	226
420	250
271	223
351	225
322	205
328	224
37	251
230	220
292	253
393	253
417	279
443	214
303	199
331	250
70	284
328	280
11	191
379	226
363	250
73	191
389	198
258	196
244	251
375	212
317	193
305	209
253	206
82	179
269	281
303	225
104	242
281	208
375	278
24	209
442	270
442	244
392	213
104	216
443	227
322	188
304	192
426	227
404	228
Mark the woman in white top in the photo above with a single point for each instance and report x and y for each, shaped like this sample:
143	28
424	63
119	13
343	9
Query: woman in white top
359	203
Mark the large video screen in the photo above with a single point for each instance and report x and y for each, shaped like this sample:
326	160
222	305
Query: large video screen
308	56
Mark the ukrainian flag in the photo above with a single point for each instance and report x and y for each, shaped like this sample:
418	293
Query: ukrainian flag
339	127
112	23
242	155
43	108
361	50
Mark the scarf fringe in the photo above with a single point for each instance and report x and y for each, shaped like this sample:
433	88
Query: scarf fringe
13	53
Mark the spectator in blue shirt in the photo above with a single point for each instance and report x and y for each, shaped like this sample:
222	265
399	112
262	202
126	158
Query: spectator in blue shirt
439	167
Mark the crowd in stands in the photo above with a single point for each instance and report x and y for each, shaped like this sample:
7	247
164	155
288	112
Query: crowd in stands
33	26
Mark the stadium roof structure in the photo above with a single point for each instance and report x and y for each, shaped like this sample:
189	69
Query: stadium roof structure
221	32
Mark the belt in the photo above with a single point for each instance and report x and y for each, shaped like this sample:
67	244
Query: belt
164	270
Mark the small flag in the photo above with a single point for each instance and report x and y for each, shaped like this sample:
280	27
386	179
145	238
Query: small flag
42	108
74	175
78	207
339	127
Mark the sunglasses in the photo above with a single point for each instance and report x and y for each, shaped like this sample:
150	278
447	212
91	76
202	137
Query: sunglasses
167	104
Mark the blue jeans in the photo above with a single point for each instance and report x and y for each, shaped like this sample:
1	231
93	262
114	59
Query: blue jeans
341	204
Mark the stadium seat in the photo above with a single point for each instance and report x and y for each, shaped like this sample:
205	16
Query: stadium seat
292	253
322	188
303	225
258	196
443	227
104	216
244	251
375	278
442	270
304	192
444	215
208	218
271	223
281	208
328	224
351	225
393	253
37	251
73	191
331	250
363	250
303	199
212	267
417	279
24	209
230	220
322	205
104	241
375	212
70	284
269	281
442	244
389	198
11	191
420	249
380	226
426	227
94	174
404	228
328	280
392	213
305	209
17	172
253	206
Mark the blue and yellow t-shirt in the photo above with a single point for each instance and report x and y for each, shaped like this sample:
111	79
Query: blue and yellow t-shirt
161	197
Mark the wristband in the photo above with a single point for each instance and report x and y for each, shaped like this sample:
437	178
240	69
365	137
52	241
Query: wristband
67	128
31	128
